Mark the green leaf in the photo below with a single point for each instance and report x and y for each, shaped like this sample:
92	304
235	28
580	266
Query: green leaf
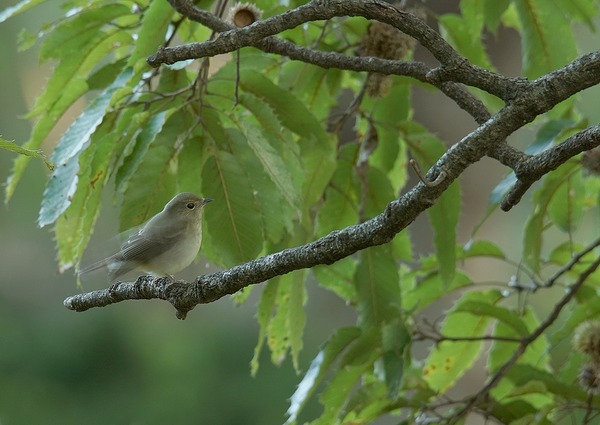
282	318
395	343
155	22
310	84
190	163
482	248
504	315
296	315
535	355
150	125
18	8
339	278
75	226
377	285
493	11
66	85
522	374
356	361
583	10
340	206
547	39
567	214
319	368
151	182
80	29
11	146
264	315
417	296
465	32
443	215
234	221
272	164
567	205
318	149
549	134
63	183
275	220
450	360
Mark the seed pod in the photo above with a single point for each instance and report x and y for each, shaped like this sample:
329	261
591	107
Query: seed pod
243	14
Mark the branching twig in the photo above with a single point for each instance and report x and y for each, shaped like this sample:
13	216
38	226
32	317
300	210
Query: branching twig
531	168
520	350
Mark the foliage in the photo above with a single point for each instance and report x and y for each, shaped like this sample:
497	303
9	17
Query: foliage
257	134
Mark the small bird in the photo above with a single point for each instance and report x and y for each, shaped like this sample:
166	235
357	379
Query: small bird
166	244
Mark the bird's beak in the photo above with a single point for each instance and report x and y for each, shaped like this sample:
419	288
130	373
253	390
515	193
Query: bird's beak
206	200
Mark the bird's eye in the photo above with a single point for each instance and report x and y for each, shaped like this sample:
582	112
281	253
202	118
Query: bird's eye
191	205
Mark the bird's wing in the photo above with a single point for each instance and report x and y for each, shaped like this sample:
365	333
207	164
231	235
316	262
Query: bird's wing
142	246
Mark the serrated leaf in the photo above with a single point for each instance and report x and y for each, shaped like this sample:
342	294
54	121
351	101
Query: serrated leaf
66	85
535	355
265	191
320	365
80	29
150	126
318	149
357	360
151	183
339	278
20	7
272	164
493	11
155	22
547	39
567	205
443	215
296	315
464	33
543	198
75	227
285	327
340	206
450	360
62	184
264	315
378	287
234	224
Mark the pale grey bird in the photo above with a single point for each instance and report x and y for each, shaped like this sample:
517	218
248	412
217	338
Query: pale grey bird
166	244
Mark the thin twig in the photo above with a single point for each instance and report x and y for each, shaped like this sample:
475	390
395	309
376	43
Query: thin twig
440	178
483	393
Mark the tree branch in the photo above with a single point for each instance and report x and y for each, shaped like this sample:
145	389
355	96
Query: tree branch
545	324
532	168
526	100
260	35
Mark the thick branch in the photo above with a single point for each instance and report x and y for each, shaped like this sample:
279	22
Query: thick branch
376	231
260	34
533	168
